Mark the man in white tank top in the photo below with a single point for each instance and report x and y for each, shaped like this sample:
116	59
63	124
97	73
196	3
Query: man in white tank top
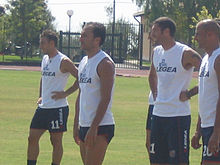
52	112
170	75
208	125
94	122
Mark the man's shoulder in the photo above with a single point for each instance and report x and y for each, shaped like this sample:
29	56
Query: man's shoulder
106	68
62	56
217	53
106	64
45	57
217	62
85	58
158	47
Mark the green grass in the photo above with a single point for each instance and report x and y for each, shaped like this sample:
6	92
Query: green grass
19	92
146	63
14	58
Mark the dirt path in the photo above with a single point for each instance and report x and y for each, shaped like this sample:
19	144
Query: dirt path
119	71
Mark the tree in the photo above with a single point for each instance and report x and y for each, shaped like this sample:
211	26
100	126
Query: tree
28	18
2	28
125	41
203	14
181	11
126	37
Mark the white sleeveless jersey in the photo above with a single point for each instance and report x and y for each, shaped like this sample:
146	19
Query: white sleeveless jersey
172	79
52	80
150	99
208	90
90	96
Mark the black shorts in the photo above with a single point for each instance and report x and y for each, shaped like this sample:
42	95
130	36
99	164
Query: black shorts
105	130
54	120
170	140
206	155
149	116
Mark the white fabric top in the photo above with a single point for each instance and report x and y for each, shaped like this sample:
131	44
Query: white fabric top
208	90
90	96
172	79
151	99
52	80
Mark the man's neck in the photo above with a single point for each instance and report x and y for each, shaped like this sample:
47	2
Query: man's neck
168	44
52	53
212	48
92	52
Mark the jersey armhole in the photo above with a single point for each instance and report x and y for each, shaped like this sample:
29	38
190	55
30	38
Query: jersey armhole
181	59
97	74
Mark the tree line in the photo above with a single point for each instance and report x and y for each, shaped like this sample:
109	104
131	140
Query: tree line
186	13
22	21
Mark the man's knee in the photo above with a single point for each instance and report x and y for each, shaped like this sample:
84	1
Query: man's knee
33	139
56	140
34	135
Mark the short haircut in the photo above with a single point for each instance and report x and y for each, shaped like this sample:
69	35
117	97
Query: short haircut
98	30
164	23
209	25
50	35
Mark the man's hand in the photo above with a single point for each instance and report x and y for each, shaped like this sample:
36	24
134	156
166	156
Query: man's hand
184	96
58	95
91	137
76	135
39	100
213	145
195	141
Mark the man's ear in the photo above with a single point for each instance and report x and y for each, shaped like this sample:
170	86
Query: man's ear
98	40
166	32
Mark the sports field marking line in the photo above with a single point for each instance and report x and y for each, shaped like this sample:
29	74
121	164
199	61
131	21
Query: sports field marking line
10	69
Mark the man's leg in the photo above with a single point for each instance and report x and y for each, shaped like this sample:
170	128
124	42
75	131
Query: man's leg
207	157
56	141
96	154
33	143
83	151
148	131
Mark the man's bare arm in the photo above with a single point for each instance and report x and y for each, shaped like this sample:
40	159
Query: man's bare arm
153	80
67	66
40	92
190	59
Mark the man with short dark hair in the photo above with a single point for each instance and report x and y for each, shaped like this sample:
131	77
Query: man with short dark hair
94	122
208	125
52	112
170	75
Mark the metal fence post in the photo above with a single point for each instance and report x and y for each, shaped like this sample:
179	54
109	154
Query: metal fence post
141	45
61	41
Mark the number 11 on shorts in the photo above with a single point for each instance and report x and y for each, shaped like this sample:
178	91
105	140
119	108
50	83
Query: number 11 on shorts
55	124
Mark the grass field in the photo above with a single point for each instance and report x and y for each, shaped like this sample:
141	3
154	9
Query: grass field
19	92
14	58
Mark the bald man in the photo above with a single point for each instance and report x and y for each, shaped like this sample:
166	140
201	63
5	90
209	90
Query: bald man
208	125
